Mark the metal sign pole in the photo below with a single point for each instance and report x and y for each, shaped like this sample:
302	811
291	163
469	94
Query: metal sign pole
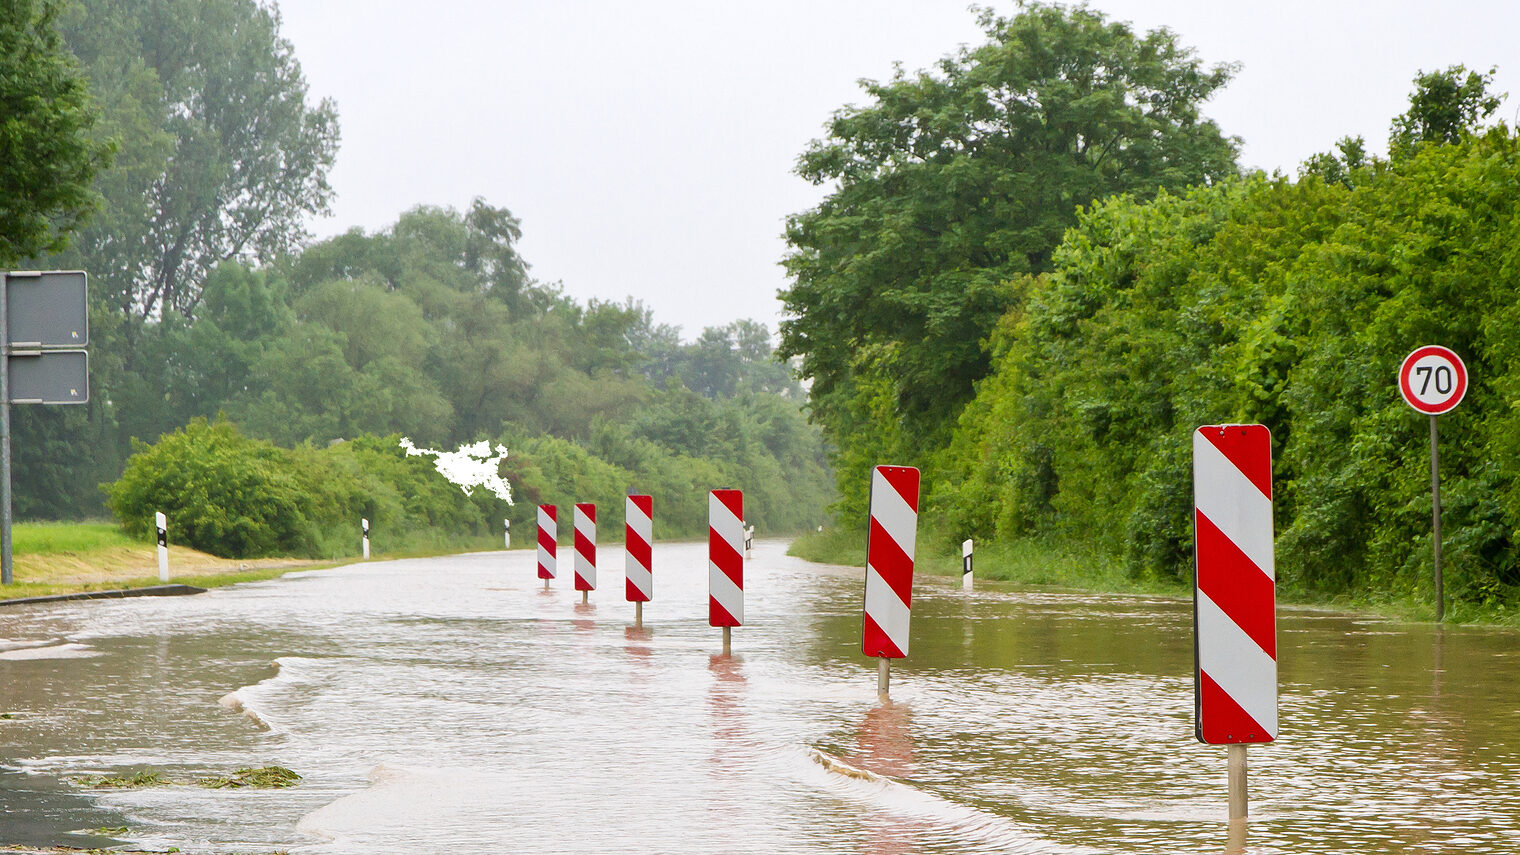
5	436
1435	517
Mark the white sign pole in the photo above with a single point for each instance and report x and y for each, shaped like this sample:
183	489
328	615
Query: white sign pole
364	525
162	523
966	583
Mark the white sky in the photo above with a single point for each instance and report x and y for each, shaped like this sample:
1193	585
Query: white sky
647	147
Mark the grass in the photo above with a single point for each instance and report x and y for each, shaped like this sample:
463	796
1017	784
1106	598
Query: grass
1047	563
137	780
50	538
1020	562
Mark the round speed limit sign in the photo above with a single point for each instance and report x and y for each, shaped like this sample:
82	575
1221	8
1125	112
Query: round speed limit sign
1433	380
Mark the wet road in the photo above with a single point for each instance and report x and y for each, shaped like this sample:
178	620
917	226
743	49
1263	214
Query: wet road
448	705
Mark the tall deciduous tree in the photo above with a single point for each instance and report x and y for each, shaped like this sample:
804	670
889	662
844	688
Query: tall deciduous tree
223	156
950	182
48	156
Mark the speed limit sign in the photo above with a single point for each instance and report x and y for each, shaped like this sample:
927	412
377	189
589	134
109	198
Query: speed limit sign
1433	380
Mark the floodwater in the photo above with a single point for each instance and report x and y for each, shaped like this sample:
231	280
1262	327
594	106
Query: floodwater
450	705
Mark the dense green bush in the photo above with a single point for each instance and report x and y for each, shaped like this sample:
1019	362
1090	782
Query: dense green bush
238	497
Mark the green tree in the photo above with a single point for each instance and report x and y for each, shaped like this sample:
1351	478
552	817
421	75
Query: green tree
224	157
48	153
1443	106
952	182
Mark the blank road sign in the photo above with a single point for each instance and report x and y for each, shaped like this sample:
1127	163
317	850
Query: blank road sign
50	377
47	309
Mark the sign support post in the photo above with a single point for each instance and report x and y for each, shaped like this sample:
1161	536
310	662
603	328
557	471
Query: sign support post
1435	519
5	433
1433	381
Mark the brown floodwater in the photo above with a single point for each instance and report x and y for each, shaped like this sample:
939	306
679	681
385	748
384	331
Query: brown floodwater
450	705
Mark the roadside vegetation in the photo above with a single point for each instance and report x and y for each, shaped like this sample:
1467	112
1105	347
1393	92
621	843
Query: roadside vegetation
1039	269
254	385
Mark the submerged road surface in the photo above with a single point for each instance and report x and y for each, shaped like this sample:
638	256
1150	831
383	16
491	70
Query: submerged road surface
450	705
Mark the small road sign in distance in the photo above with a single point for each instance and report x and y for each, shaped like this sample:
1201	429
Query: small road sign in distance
1433	380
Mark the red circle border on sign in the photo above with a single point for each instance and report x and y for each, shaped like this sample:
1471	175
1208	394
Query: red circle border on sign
1408	366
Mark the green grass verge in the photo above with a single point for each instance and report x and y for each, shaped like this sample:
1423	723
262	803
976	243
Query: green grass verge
1019	562
1042	563
52	538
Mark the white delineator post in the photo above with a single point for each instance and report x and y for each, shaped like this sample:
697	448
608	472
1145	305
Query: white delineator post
506	528
749	541
585	549
890	548
548	546
1234	595
638	543
725	562
162	523
966	583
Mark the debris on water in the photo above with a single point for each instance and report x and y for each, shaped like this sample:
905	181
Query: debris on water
261	778
137	780
266	777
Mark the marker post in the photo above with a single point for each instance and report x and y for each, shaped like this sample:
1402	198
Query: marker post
506	526
364	527
162	523
966	583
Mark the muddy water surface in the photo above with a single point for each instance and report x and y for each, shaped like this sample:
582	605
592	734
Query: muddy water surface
450	705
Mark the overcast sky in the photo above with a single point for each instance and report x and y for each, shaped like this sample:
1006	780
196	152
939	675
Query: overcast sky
647	147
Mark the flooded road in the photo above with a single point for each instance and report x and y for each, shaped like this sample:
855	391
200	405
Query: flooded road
450	705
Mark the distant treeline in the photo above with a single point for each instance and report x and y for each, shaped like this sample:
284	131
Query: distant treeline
1039	270
205	156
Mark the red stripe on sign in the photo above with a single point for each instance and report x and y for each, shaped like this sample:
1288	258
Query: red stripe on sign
733	500
1223	719
876	642
644	503
719	616
722	554
1235	584
894	565
1244	448
638	549
584	546
904	479
546	541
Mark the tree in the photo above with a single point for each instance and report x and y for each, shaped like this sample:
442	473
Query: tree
223	158
1443	106
48	156
952	182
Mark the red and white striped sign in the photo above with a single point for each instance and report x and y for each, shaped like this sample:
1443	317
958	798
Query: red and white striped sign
725	558
638	539
889	561
585	546
548	548
1234	596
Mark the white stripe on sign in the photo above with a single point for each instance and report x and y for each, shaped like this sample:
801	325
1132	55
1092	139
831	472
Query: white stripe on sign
1241	668
1233	504
884	607
723	589
893	513
723	521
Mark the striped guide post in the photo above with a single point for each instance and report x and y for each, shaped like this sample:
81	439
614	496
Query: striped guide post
364	530
890	548
1234	596
548	545
725	561
162	523
585	548
966	581
638	540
